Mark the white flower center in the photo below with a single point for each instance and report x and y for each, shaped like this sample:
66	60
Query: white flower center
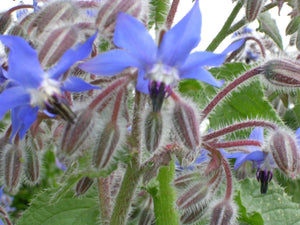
49	87
164	73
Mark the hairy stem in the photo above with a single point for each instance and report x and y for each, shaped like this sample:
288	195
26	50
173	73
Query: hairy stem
172	12
164	199
104	199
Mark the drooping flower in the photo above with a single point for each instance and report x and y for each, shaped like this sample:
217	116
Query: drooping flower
163	65
32	88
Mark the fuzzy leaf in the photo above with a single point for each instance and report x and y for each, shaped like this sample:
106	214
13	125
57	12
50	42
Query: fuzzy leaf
69	210
158	12
268	26
273	208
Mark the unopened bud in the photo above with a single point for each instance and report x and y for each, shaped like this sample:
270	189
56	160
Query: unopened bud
293	26
153	130
186	179
56	44
147	216
285	152
12	167
83	185
193	195
107	15
253	8
75	134
222	213
5	21
52	15
106	145
186	125
32	165
282	73
191	216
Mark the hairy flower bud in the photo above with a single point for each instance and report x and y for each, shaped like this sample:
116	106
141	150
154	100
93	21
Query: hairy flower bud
153	130
222	214
32	164
76	134
285	152
12	167
282	73
191	216
253	8
186	125
83	185
106	145
5	21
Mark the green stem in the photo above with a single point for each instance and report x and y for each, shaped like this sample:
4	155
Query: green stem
164	199
224	31
104	199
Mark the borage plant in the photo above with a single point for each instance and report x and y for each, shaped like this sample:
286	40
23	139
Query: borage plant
104	124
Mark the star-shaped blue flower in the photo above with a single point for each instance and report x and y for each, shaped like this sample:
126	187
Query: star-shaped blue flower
167	63
32	88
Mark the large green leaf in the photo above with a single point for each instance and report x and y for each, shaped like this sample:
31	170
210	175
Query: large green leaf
268	26
69	210
273	208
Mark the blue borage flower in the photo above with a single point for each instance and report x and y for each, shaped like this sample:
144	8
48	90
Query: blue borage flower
32	88
166	64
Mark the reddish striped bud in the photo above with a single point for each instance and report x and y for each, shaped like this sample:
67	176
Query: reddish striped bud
56	44
76	134
147	216
285	152
52	15
282	73
192	216
153	130
32	165
186	125
253	8
106	145
223	213
5	21
83	185
186	180
12	167
107	15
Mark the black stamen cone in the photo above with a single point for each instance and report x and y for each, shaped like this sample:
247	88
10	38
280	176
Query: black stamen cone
157	93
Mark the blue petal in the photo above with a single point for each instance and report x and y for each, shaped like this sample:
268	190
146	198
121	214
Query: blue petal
75	84
13	97
178	42
132	35
110	63
22	118
71	56
257	134
142	83
298	137
24	66
234	46
257	156
199	73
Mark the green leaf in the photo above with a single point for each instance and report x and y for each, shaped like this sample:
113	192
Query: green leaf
273	208
158	12
268	26
69	210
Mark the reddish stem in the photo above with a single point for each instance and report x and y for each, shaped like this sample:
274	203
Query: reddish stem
172	12
238	126
19	7
261	46
228	89
237	144
118	102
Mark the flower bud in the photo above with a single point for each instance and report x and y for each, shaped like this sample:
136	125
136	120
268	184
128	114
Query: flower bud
56	44
186	125
106	145
186	179
285	152
253	8
5	21
107	15
282	73
52	15
12	167
83	185
191	216
222	213
32	165
153	130
75	134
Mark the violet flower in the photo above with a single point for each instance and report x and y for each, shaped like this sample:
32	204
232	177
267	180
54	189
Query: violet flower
163	65
33	88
